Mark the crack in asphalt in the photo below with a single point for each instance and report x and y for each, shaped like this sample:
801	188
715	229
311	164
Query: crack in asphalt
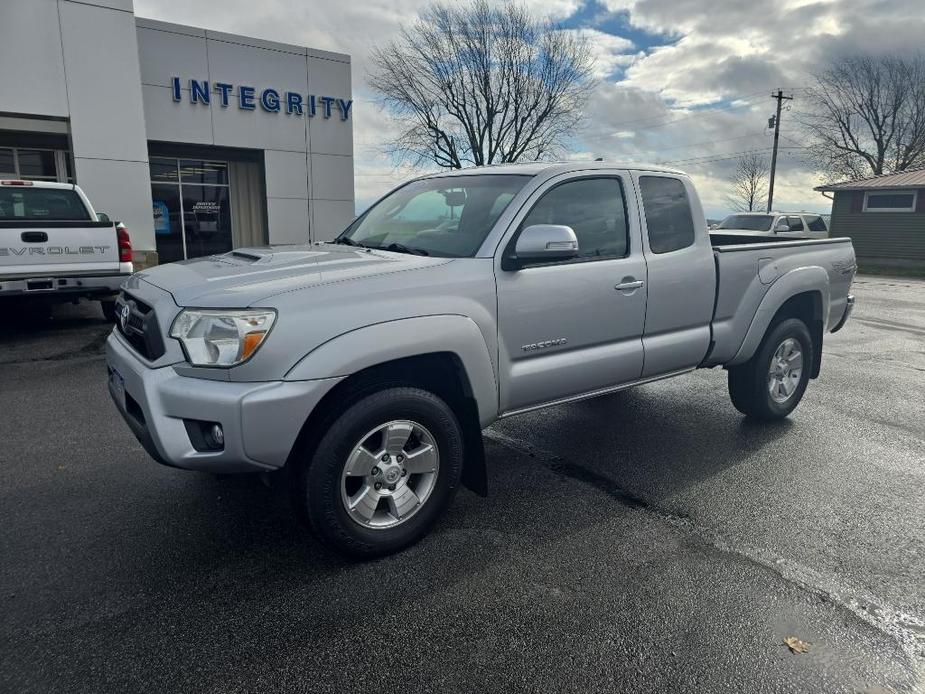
907	630
94	348
891	326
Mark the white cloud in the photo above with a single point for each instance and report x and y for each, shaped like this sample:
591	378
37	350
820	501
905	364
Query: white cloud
704	93
610	52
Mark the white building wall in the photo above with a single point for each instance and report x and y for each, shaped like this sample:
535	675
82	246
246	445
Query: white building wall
60	61
303	156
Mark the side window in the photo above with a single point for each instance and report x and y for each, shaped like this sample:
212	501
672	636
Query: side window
593	208
816	223
796	224
668	213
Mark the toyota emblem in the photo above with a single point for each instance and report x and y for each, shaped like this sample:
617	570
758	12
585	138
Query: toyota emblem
124	313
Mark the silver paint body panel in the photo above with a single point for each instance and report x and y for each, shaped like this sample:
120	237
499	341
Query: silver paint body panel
604	324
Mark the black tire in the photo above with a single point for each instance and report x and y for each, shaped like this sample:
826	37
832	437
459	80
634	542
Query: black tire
109	309
748	382
318	491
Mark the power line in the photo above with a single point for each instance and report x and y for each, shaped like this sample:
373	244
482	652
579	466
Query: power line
708	158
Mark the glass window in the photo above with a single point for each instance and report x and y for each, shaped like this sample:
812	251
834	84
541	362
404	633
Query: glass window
164	171
795	223
447	216
668	213
37	163
815	223
747	222
7	165
212	172
41	204
206	220
593	208
890	201
168	228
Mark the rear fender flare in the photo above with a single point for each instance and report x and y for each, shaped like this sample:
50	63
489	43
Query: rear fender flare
788	285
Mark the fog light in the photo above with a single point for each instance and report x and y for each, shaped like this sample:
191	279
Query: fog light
205	436
217	435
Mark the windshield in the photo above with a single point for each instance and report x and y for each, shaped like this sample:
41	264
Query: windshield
448	216
748	222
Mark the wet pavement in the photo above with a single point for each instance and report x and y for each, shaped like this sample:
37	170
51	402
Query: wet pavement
651	540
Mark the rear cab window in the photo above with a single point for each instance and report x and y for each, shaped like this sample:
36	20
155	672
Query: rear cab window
815	223
669	220
23	203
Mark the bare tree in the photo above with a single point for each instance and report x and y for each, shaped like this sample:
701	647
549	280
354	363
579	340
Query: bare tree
866	116
479	85
749	183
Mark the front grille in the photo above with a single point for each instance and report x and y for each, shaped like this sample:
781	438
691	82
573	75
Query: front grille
137	323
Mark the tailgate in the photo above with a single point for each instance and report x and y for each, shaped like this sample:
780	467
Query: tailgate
31	249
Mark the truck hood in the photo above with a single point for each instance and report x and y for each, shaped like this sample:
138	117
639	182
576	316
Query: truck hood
247	276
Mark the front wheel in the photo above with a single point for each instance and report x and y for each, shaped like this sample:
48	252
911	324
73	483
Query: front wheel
383	473
771	384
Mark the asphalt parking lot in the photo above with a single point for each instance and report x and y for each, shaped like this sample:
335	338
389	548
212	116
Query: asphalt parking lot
650	540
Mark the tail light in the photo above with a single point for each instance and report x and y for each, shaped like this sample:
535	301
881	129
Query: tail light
125	244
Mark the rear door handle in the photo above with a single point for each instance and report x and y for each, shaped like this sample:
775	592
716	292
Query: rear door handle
629	286
34	236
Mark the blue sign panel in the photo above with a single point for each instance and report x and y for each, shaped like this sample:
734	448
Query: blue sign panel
161	218
269	100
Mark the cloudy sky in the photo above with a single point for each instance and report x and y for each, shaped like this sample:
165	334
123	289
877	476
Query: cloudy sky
684	82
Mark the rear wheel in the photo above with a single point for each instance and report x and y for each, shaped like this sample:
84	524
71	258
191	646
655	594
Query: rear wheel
771	384
383	473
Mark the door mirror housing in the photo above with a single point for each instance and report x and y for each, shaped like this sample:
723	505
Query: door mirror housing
543	243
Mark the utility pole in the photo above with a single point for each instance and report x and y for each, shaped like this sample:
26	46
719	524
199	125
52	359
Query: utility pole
780	100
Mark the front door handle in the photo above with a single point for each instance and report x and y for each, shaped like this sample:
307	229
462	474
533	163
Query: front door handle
629	286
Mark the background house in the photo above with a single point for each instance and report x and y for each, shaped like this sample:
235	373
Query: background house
884	216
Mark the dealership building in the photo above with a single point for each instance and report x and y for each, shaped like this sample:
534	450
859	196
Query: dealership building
199	141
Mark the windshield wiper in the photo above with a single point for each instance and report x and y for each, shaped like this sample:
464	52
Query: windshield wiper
401	248
346	241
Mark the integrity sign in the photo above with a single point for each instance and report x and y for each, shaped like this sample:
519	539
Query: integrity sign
269	99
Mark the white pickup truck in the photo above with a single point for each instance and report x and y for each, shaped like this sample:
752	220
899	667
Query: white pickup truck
54	247
764	226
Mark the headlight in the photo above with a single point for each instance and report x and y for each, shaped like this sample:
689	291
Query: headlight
221	337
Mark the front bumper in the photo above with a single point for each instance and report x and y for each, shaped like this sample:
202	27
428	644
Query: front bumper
261	421
81	285
849	307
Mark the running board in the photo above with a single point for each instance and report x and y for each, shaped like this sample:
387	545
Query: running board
595	393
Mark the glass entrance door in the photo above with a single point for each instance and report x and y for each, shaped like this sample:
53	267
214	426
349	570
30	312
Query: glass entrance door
192	213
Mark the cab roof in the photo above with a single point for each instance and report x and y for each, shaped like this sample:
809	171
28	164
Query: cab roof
552	168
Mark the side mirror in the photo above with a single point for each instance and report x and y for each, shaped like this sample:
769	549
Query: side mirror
102	217
544	243
782	226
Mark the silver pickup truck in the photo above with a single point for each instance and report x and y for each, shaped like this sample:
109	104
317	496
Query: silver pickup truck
368	367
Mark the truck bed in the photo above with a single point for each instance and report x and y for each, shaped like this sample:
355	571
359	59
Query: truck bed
746	271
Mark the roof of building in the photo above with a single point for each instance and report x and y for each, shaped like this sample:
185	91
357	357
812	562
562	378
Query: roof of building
913	178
